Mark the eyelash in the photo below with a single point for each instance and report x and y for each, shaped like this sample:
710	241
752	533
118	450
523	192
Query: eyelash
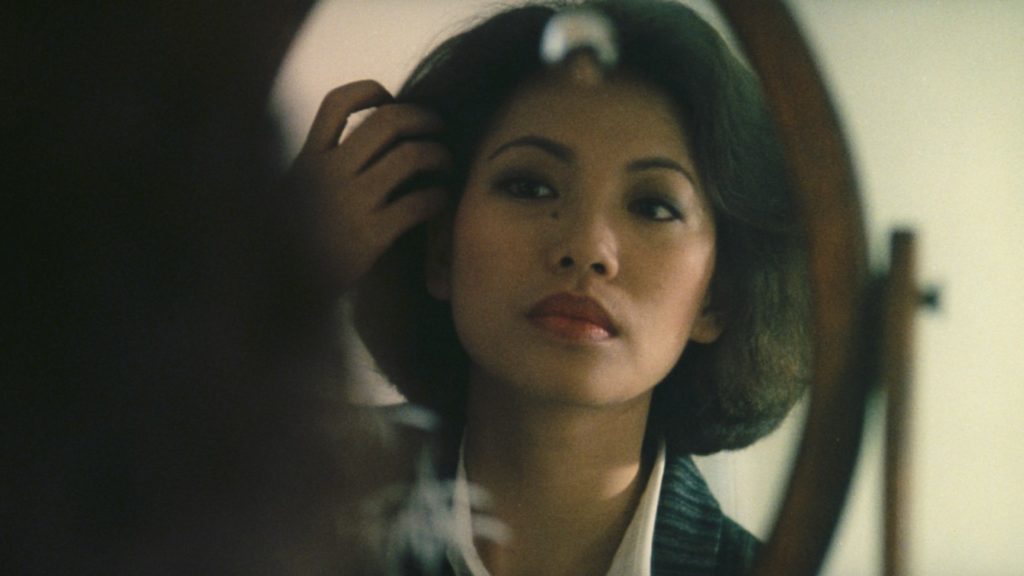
525	187
513	186
645	207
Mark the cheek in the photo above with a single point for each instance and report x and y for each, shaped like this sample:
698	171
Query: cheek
475	247
676	289
486	264
488	256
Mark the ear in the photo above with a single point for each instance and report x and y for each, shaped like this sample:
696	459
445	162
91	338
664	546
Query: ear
707	328
439	258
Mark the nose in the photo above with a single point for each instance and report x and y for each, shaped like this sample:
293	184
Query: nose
587	243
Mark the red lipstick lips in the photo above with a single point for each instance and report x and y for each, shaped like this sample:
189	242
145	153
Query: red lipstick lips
572	317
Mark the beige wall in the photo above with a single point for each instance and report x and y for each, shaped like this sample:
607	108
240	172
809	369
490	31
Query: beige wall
931	96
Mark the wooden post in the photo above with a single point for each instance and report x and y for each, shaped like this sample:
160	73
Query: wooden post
901	301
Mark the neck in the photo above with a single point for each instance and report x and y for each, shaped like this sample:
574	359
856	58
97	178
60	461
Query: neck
565	478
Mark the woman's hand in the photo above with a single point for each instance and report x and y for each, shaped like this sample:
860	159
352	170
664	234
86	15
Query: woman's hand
350	184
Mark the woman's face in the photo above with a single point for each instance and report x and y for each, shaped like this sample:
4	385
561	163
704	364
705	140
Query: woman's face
582	248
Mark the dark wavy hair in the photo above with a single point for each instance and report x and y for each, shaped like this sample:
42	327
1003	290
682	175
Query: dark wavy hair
723	395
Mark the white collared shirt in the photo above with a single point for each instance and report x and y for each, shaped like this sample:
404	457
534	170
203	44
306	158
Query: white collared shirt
632	558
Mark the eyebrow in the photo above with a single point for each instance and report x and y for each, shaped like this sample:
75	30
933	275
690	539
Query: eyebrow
565	154
558	150
660	162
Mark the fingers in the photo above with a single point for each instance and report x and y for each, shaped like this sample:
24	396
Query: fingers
373	186
336	107
403	162
412	209
381	131
377	135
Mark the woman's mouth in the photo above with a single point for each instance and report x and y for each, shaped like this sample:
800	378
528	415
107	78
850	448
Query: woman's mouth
573	317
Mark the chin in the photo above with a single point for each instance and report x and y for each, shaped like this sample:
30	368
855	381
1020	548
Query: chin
574	387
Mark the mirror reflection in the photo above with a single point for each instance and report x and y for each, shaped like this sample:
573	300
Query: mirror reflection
918	94
612	279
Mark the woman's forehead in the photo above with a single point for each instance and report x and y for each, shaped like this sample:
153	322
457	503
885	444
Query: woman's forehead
622	114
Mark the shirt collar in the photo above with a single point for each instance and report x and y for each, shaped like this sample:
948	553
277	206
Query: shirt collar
689	521
632	558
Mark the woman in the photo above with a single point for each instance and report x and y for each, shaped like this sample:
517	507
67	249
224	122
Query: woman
615	284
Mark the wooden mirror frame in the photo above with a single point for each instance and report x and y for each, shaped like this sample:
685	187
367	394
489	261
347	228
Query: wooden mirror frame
822	173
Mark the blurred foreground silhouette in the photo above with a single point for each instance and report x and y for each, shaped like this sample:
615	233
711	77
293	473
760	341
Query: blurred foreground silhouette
171	397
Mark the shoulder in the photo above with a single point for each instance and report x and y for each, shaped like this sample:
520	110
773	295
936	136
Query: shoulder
736	549
692	535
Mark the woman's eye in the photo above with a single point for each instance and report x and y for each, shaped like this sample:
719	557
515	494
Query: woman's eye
526	188
655	209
